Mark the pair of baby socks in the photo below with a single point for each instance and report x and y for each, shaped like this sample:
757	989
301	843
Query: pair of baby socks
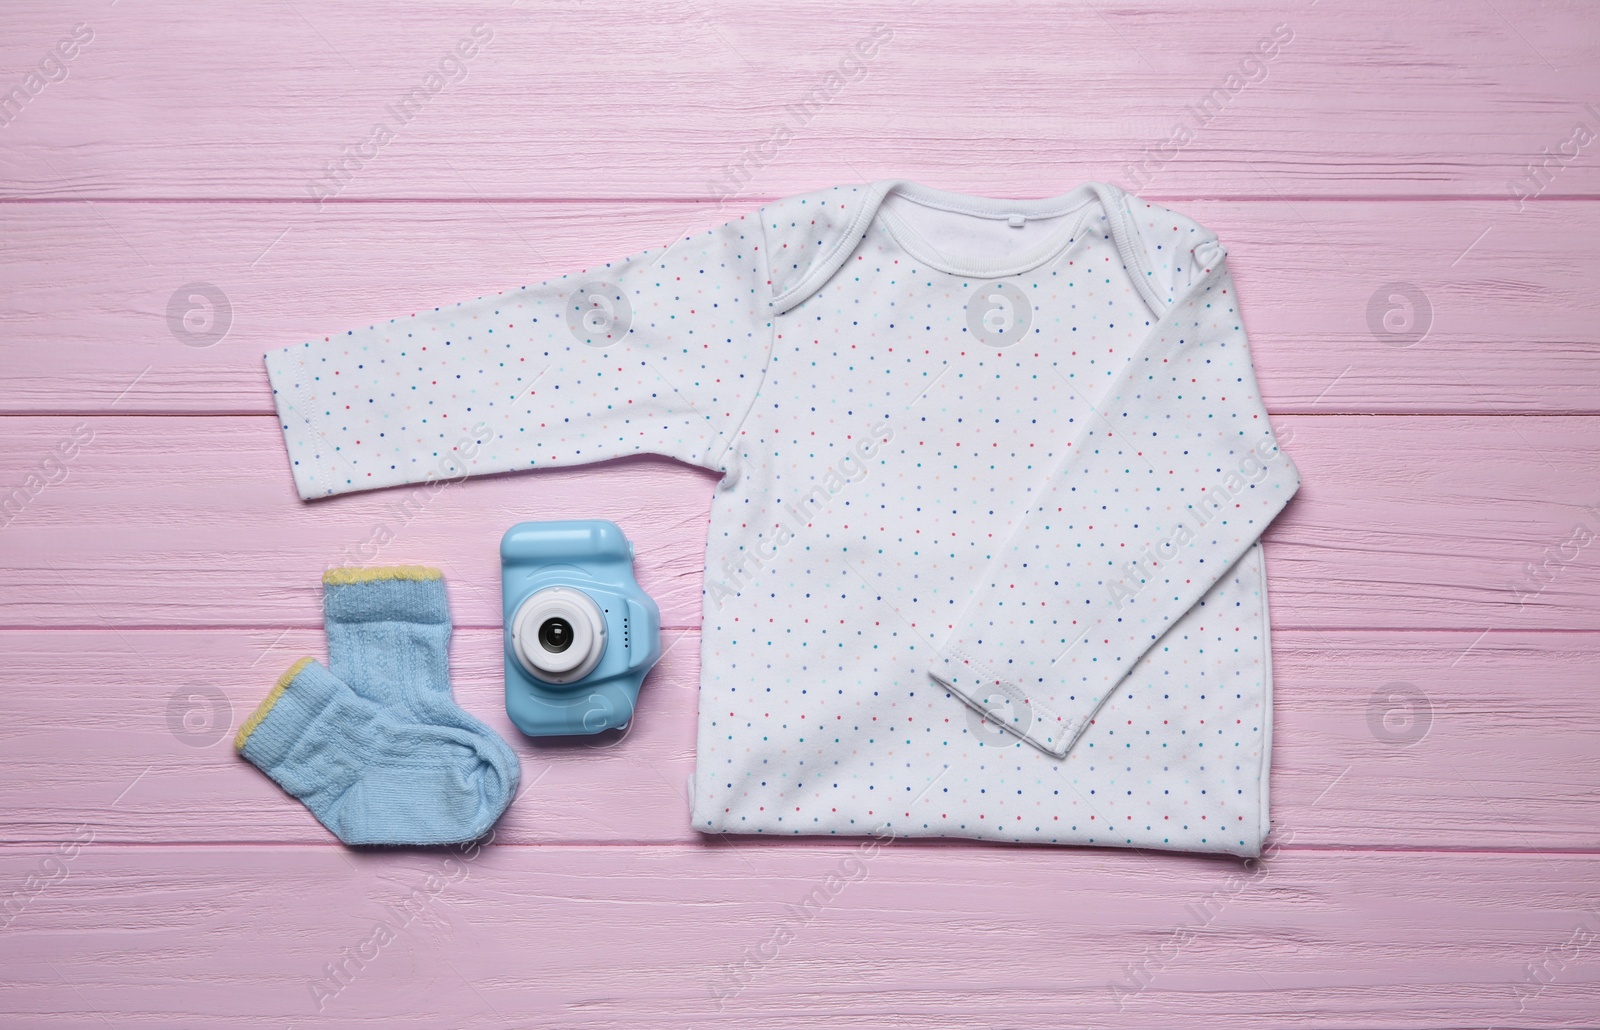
374	744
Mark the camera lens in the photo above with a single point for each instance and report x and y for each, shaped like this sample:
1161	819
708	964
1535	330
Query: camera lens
555	635
558	634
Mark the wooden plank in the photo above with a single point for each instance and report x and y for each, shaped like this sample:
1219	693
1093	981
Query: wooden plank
1364	98
163	520
1511	313
1381	740
1419	523
768	936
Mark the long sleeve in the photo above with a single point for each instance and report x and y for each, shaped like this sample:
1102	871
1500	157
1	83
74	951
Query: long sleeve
661	352
1174	475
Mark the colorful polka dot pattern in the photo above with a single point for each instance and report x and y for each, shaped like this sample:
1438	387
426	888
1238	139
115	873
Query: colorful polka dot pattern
1171	477
879	465
810	229
509	381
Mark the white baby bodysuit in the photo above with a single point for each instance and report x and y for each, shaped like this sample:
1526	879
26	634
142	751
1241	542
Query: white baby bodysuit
983	560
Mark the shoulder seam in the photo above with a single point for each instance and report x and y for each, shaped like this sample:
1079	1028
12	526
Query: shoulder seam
1131	243
823	268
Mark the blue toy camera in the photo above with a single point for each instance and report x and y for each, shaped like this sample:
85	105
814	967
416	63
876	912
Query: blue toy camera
579	633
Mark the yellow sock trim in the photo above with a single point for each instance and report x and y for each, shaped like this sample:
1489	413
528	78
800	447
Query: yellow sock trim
341	577
262	709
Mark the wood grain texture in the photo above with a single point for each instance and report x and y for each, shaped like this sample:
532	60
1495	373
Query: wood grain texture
587	100
1381	740
1435	586
1038	937
1514	323
1403	522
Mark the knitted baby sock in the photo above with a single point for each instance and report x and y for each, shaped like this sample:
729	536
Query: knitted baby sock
367	773
388	638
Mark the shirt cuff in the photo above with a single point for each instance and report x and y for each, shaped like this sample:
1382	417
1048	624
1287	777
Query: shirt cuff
1004	703
313	456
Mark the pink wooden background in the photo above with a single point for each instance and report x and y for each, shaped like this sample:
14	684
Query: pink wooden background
1436	769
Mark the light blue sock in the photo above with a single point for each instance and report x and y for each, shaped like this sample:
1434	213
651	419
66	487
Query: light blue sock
367	773
389	637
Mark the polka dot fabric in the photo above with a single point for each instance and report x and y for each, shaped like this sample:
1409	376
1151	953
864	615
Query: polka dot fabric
561	373
1174	474
931	479
809	234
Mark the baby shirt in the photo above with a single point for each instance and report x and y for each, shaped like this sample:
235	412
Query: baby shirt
983	560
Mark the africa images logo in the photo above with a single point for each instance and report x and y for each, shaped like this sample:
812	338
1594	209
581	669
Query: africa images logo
598	313
999	314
